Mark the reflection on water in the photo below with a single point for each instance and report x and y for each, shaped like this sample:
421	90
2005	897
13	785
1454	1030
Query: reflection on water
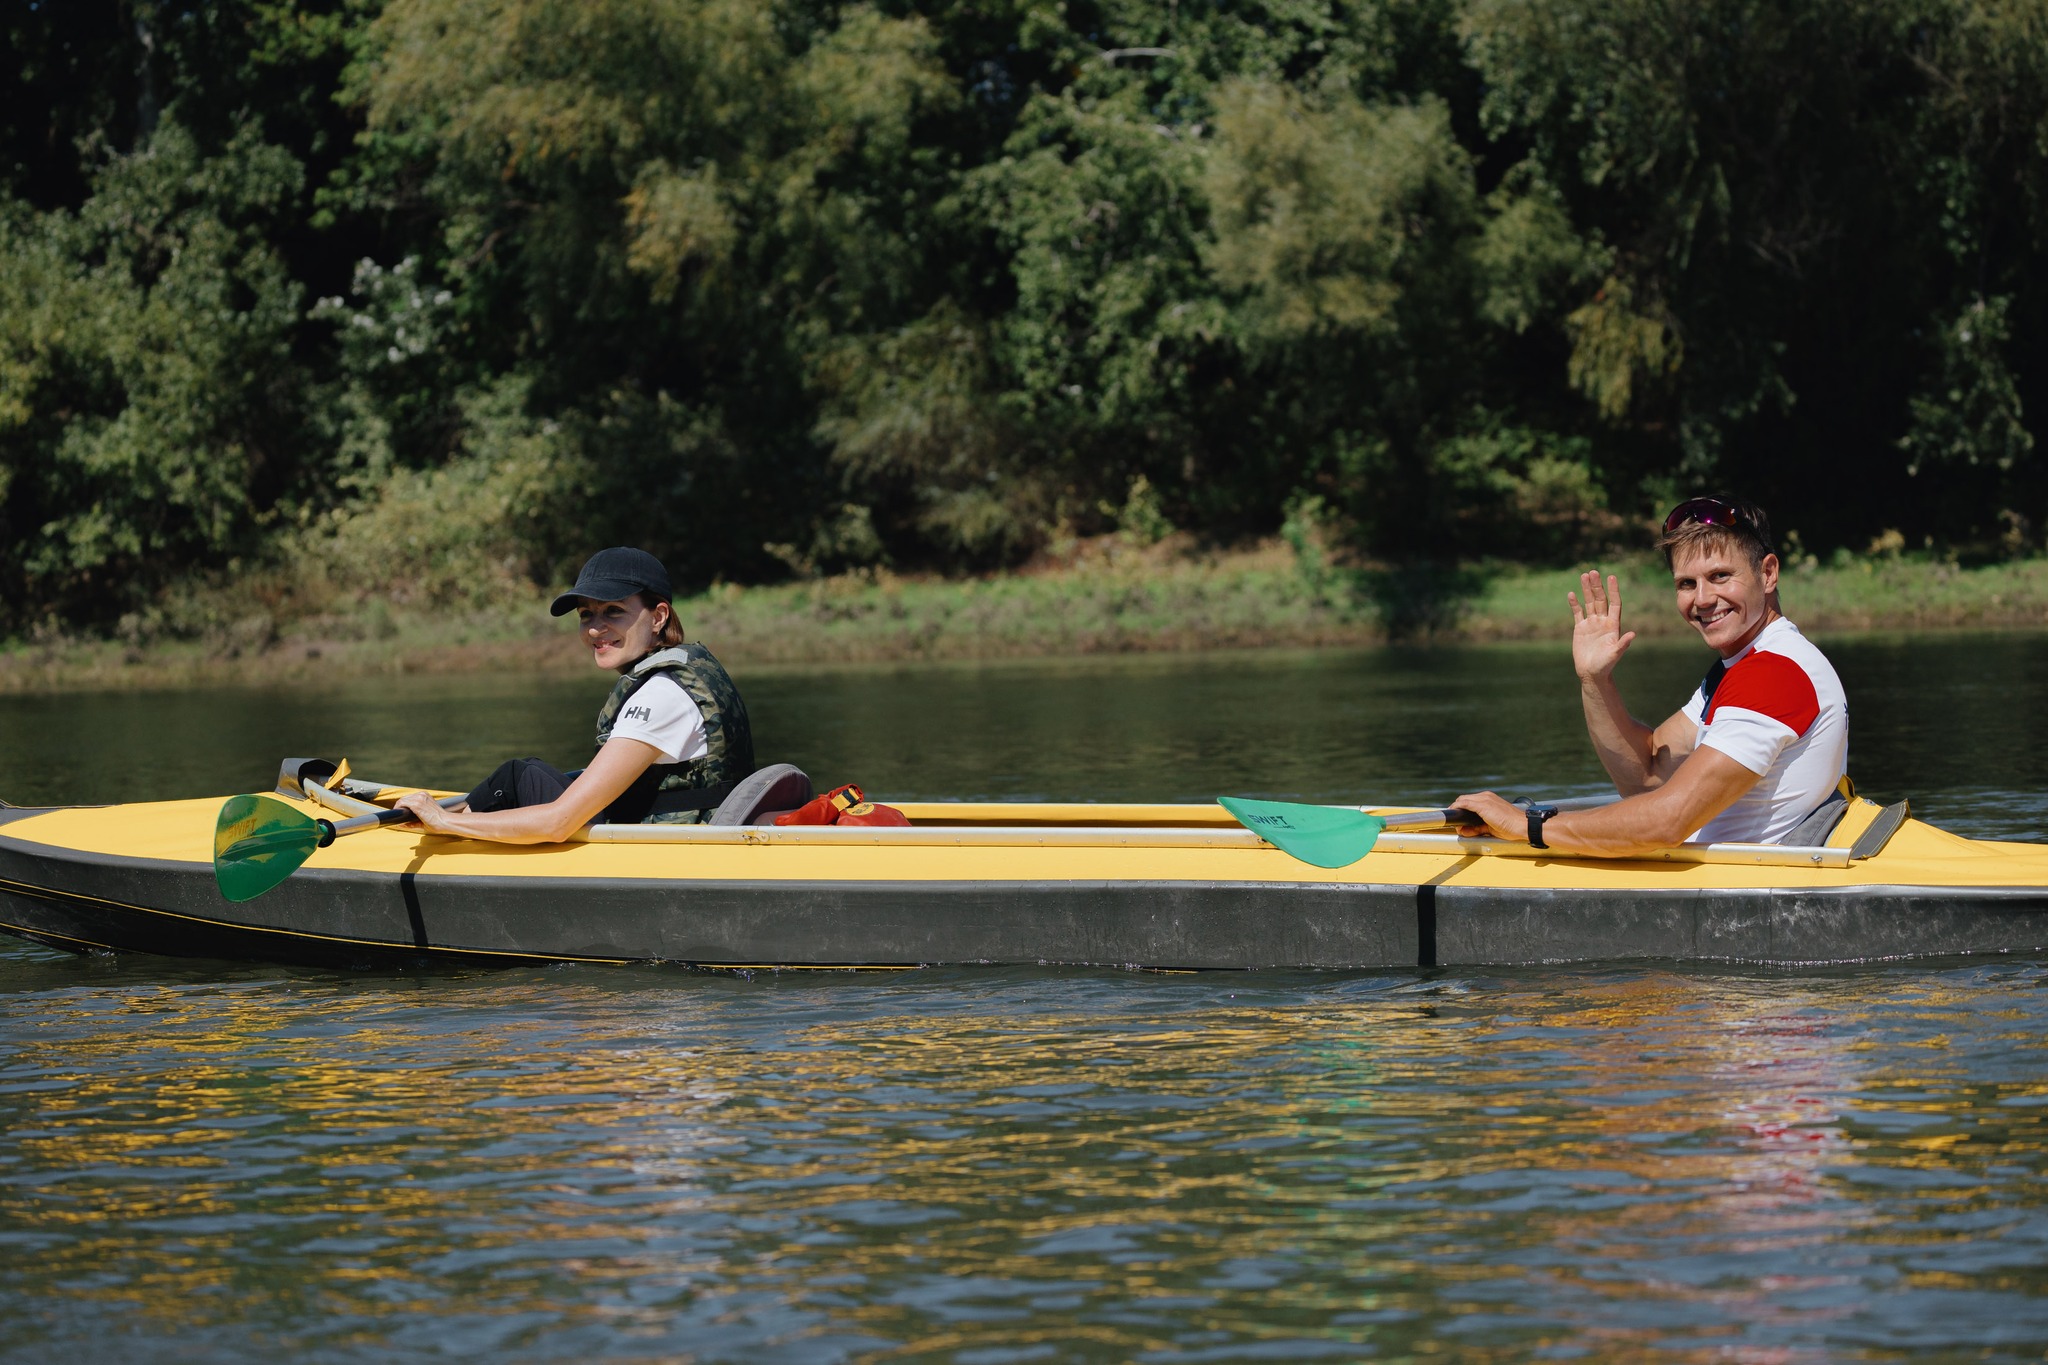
203	1161
1018	1166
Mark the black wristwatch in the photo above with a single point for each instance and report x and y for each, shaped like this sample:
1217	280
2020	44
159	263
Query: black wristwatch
1537	815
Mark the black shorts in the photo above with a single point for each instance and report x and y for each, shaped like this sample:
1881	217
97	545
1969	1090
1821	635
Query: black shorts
519	782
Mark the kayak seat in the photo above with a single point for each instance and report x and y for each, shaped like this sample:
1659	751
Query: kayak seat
764	794
1813	831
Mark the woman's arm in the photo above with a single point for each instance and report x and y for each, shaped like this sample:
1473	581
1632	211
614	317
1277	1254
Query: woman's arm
617	766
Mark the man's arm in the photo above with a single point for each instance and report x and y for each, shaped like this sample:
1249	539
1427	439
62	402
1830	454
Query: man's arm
1637	757
1704	785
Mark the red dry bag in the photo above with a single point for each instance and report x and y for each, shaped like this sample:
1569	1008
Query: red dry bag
846	805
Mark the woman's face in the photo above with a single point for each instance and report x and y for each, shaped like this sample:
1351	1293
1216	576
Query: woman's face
620	634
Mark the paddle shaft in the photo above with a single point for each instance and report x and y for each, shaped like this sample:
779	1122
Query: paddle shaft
1429	819
1453	815
330	830
1422	819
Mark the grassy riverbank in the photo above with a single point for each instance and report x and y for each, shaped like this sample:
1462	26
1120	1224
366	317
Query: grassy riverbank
1110	598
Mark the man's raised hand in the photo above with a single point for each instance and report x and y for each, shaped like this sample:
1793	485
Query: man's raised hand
1597	638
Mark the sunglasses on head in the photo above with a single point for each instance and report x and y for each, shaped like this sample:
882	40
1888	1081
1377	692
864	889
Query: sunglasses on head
1711	512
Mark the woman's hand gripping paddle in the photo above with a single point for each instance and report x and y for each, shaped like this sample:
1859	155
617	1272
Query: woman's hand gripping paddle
1329	836
258	841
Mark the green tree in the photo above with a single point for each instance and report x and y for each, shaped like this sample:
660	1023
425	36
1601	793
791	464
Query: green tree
149	403
810	285
1795	203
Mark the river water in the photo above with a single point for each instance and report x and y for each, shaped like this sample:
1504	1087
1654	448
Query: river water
211	1161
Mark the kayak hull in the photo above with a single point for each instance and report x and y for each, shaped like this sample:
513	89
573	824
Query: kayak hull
410	898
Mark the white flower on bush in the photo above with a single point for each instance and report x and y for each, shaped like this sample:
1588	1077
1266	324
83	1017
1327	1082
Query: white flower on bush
393	318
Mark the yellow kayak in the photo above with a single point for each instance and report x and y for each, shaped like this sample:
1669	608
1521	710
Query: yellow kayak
1170	886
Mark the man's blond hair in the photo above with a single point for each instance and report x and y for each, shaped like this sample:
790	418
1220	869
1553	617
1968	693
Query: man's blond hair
1753	540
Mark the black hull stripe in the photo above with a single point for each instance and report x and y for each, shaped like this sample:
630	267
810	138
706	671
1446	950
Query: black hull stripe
57	940
74	898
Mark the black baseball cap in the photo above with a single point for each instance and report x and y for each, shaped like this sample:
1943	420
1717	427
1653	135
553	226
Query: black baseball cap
614	575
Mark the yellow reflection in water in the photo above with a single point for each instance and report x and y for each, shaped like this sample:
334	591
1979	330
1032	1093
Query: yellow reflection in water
1257	1171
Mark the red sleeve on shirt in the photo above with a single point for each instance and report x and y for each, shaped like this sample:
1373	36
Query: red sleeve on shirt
1770	685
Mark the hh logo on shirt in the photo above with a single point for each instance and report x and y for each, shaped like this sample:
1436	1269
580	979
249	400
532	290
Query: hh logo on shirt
639	713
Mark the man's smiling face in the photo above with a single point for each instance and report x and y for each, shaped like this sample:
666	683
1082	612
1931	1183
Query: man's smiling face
1722	596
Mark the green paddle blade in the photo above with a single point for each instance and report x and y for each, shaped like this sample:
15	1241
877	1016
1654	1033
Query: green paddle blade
1324	836
258	842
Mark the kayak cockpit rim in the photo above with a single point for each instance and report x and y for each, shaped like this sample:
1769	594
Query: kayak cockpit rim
1193	828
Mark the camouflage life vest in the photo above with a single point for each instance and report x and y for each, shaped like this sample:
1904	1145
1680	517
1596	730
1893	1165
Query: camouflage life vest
684	793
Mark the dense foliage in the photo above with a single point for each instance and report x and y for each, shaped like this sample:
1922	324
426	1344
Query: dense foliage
427	291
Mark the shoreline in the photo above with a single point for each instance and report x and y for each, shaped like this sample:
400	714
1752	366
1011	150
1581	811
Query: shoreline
1118	600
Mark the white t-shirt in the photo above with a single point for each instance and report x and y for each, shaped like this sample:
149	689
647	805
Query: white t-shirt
1779	710
661	713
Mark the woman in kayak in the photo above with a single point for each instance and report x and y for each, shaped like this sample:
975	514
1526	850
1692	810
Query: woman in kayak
672	739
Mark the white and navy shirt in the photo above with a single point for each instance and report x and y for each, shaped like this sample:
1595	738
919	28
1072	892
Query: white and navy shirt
1778	709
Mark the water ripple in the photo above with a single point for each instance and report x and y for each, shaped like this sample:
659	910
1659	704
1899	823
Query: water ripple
1022	1165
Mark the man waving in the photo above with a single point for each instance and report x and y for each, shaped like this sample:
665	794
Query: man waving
1763	743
